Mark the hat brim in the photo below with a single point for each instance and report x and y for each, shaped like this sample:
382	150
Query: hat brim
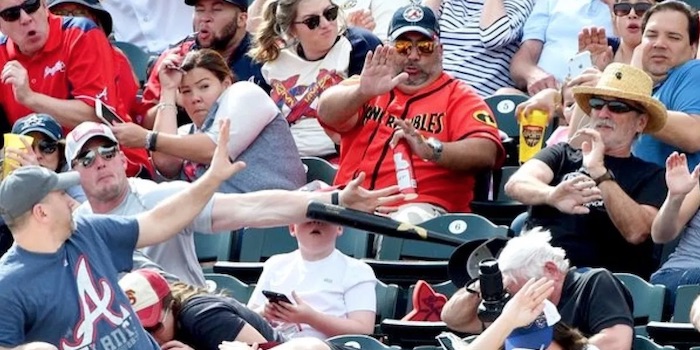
418	29
464	261
239	5
654	109
66	180
104	15
150	316
39	130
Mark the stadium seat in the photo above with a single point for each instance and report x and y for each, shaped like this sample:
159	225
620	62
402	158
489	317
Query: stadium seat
213	247
445	288
246	272
685	295
693	3
409	334
644	343
229	285
648	300
363	342
319	169
502	210
406	272
503	108
464	226
387	300
679	335
137	57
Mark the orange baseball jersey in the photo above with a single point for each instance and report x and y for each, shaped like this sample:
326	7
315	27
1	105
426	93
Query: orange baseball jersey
448	110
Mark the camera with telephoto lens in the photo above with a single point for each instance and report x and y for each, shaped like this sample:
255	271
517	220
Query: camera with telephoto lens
493	295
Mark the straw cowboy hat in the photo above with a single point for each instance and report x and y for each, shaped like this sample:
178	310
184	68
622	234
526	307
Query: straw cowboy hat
627	83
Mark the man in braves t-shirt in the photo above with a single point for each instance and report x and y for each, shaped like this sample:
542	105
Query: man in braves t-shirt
58	66
448	127
58	282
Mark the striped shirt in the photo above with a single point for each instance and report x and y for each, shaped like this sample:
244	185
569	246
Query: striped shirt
481	57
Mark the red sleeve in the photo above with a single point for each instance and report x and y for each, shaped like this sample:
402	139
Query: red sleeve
470	116
92	70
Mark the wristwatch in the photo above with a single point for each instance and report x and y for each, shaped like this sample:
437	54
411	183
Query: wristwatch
608	176
436	146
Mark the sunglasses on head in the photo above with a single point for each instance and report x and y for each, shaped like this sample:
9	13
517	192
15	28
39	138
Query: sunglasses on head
87	158
46	146
624	8
12	14
405	47
313	21
614	106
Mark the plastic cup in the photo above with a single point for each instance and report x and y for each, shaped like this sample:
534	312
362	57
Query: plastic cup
13	141
532	130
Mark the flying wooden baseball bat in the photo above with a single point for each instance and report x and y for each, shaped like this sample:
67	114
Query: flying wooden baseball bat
375	223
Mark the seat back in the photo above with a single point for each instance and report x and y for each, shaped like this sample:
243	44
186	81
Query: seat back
648	299
693	3
363	342
213	247
230	285
685	295
137	57
503	108
644	343
387	300
464	226
319	169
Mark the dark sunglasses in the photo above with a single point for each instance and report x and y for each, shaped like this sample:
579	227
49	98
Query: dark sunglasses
405	47
624	8
47	147
12	14
614	106
87	158
312	22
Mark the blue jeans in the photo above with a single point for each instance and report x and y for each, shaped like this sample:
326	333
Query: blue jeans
672	278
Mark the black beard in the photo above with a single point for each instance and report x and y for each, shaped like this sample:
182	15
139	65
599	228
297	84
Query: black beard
221	43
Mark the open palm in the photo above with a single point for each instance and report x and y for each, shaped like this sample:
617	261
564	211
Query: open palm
679	179
379	72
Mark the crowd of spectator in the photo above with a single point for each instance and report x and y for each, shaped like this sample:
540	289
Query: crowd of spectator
394	94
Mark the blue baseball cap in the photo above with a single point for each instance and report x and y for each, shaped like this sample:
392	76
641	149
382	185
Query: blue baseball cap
537	335
38	122
242	4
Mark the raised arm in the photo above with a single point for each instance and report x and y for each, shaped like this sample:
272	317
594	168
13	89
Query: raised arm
172	215
338	106
501	25
681	202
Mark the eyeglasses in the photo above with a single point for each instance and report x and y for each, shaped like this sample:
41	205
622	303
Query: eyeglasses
12	14
312	22
404	47
47	147
87	158
624	8
158	326
614	106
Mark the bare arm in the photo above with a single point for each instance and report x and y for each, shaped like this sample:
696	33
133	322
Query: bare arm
459	313
198	147
338	106
681	131
682	200
434	5
618	337
524	62
165	122
633	220
470	154
69	113
175	213
529	185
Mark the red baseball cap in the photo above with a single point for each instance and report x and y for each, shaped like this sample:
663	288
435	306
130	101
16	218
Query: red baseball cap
146	290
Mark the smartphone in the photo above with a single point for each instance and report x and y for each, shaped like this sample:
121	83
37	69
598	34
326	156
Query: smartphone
448	340
275	297
579	63
106	114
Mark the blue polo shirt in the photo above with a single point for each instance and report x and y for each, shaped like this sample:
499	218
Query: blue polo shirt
679	92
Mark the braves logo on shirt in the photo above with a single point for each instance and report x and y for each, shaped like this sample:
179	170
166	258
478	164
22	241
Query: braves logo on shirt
98	308
300	99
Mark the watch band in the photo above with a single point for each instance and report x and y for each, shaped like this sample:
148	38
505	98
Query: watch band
608	176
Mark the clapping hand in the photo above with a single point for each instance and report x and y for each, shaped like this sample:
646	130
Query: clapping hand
679	179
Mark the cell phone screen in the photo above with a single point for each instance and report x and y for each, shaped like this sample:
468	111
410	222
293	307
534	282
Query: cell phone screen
275	297
106	114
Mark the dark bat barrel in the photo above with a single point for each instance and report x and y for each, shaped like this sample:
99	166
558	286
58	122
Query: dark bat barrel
375	223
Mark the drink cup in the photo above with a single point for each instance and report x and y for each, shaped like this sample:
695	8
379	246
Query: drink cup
13	141
532	130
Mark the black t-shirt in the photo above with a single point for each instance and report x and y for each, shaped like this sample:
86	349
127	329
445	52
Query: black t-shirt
592	240
594	300
207	320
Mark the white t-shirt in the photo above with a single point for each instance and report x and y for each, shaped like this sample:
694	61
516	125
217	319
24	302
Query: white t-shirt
176	255
296	85
336	285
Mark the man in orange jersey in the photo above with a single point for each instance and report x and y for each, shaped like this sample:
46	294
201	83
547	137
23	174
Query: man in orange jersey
448	128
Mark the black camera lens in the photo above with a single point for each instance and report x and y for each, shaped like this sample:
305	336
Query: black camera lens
491	280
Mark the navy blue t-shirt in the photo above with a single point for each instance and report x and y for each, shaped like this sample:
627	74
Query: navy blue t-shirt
71	298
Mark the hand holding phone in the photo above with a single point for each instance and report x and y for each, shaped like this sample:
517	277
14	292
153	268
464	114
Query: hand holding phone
105	113
275	297
579	63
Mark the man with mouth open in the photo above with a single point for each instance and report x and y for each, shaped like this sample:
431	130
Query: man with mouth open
599	201
219	25
403	95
